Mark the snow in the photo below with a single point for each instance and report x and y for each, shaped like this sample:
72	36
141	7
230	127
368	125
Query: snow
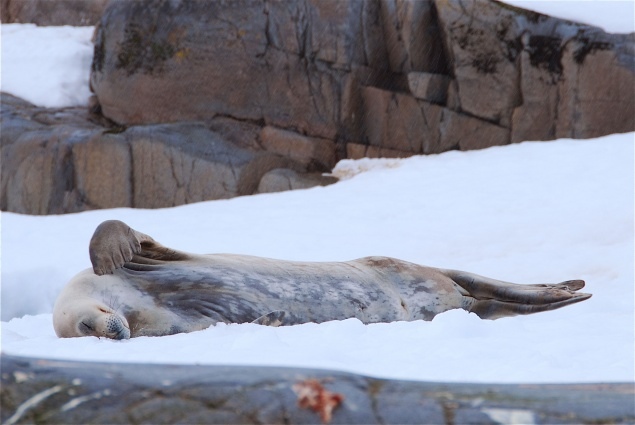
527	213
47	66
616	16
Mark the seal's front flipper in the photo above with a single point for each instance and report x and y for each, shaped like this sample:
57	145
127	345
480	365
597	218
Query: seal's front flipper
275	318
114	244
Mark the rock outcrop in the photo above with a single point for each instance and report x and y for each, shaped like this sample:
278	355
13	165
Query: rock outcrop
198	100
407	76
57	391
50	12
59	161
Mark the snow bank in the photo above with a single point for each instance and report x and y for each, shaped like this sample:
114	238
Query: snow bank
47	66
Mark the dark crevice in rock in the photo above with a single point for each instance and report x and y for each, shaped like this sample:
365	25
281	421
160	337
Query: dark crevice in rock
588	46
386	80
97	64
258	121
439	63
546	52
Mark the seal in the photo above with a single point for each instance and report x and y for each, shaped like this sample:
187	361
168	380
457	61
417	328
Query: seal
138	287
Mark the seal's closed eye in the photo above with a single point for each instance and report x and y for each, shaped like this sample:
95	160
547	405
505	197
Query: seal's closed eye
86	328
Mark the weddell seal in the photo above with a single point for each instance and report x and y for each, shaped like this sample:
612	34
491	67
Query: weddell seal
138	287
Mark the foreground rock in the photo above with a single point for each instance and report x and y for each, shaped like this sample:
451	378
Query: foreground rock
64	160
51	391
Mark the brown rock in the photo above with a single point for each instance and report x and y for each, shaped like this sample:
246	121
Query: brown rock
453	101
51	167
355	150
313	153
280	62
598	90
358	151
482	48
16	119
27	187
103	171
535	118
412	36
430	87
282	179
400	123
333	31
304	65
459	131
393	120
185	163
49	12
38	173
243	134
543	77
375	152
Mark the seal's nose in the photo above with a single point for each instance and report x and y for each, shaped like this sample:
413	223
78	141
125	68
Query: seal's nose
116	327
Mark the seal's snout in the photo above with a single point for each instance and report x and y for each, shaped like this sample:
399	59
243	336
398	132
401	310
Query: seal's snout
116	328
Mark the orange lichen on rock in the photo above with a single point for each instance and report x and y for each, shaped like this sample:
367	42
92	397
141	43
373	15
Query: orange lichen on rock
312	395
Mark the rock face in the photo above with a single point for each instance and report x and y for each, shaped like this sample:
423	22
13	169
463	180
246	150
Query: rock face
403	75
198	100
57	391
57	161
47	12
536	75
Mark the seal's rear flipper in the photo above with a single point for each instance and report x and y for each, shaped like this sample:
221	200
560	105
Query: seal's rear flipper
491	299
495	309
275	318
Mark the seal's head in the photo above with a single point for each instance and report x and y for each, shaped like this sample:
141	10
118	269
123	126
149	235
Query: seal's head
78	312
